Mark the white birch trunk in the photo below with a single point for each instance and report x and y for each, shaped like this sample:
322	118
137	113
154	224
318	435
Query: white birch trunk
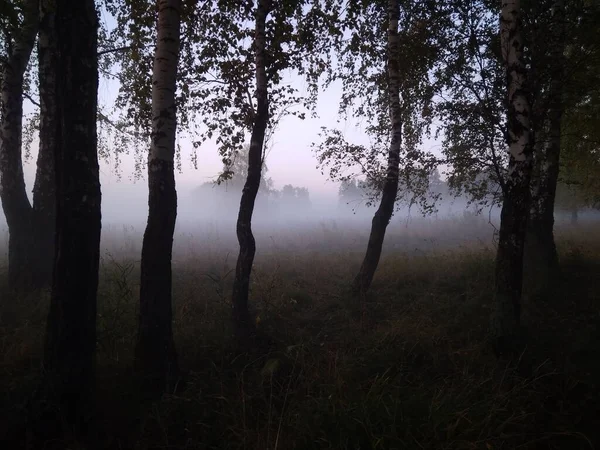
517	198
155	355
164	76
385	210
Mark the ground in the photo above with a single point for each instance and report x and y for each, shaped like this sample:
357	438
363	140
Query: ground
407	367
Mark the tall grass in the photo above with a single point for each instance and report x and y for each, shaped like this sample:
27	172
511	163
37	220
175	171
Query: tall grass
407	367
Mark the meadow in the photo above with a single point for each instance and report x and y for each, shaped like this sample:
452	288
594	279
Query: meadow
407	367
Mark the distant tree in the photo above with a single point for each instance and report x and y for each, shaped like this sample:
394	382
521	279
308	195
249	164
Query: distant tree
571	199
235	171
155	355
349	193
437	186
70	347
296	197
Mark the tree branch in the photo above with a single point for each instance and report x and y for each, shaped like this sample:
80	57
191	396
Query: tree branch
114	50
31	99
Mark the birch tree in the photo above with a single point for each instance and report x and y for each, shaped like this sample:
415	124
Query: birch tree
567	76
44	188
155	354
390	187
70	347
385	82
218	81
31	225
559	50
20	35
517	199
241	285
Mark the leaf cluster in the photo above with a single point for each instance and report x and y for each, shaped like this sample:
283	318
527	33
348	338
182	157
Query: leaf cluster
361	59
216	73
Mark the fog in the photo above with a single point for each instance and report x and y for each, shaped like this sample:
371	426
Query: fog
318	223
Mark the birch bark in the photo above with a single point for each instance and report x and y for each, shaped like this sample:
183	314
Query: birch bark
155	355
517	198
243	324
385	210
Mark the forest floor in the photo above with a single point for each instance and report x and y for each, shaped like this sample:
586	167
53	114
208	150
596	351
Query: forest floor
409	367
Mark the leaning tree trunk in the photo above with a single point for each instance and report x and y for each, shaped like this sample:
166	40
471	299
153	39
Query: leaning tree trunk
70	353
15	203
242	322
44	195
155	356
541	256
517	198
384	213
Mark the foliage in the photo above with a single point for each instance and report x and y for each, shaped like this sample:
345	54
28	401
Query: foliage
361	68
295	197
471	105
580	158
216	74
233	176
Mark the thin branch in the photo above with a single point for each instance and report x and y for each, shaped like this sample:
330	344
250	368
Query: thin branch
31	99
121	129
114	50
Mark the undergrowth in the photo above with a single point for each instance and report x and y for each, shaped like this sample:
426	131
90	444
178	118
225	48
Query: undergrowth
407	367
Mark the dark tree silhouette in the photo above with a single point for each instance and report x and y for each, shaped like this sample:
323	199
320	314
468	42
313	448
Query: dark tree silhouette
241	285
15	203
70	352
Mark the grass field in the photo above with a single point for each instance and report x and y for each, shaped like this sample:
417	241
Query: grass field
409	367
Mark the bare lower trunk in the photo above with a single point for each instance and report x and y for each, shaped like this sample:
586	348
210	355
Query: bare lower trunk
541	256
382	217
44	195
242	322
70	353
509	267
15	203
379	224
517	195
155	356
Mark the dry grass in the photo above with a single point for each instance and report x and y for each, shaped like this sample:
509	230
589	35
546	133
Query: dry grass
407	368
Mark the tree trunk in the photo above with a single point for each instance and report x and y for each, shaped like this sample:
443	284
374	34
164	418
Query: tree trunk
44	195
155	356
541	256
70	353
384	213
517	195
242	322
15	203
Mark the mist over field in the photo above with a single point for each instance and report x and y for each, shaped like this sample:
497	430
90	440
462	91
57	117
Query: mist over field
324	224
